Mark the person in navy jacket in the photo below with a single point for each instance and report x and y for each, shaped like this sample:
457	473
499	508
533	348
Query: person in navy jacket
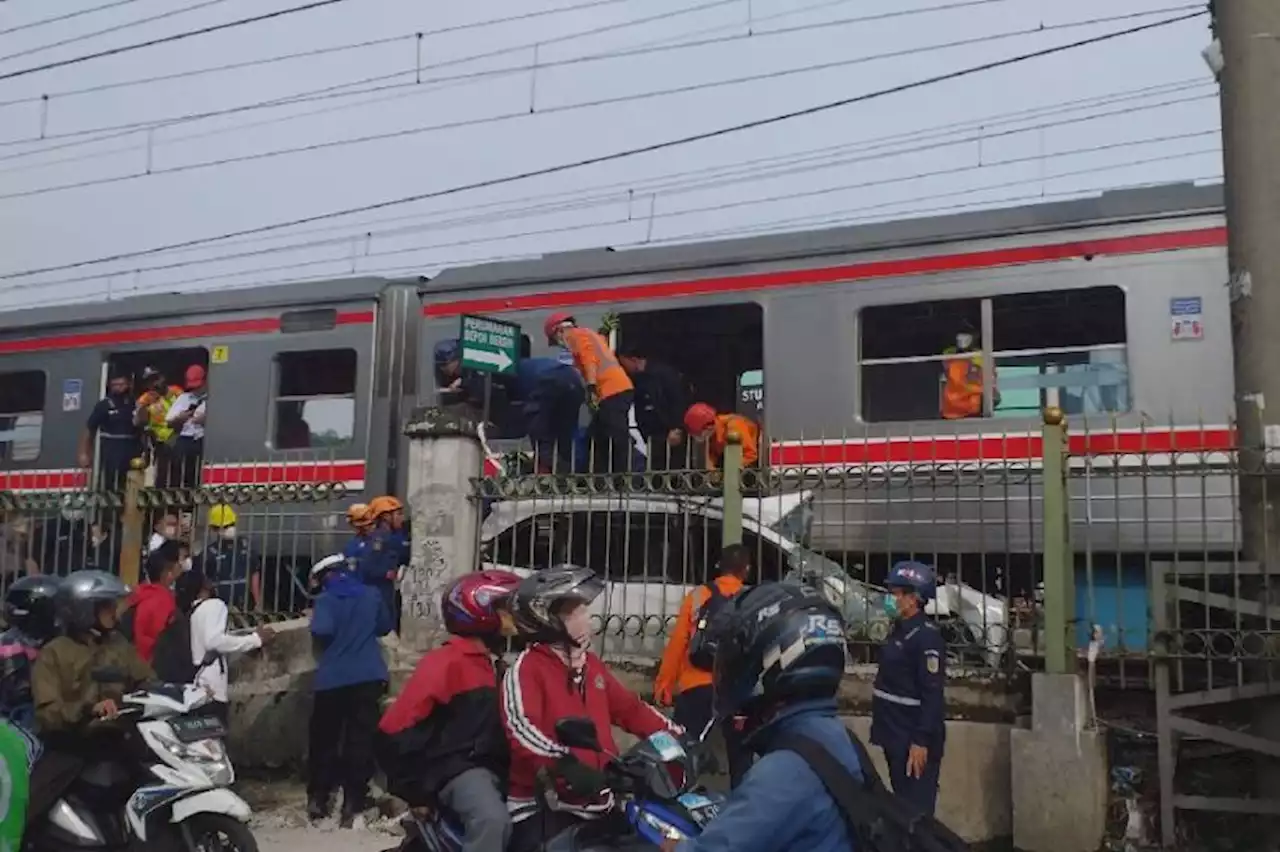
351	677
907	713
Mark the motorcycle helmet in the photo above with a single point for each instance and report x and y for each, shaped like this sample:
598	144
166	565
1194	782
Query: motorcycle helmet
779	643
82	593
539	601
916	577
470	604
29	605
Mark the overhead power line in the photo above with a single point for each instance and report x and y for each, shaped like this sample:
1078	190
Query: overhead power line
128	48
115	28
625	153
522	112
66	16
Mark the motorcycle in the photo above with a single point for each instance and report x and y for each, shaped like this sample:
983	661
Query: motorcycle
655	782
181	795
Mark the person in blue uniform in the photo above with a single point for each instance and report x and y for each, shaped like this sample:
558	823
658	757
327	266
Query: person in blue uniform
551	395
907	714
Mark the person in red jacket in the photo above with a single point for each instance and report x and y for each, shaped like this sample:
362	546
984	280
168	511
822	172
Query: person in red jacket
554	678
152	604
441	742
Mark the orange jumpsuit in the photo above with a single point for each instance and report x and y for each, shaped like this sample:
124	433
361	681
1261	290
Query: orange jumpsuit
596	362
962	394
749	431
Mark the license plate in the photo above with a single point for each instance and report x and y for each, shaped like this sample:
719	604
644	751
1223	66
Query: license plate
190	728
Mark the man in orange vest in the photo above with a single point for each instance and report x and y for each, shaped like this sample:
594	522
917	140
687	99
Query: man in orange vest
703	423
610	392
962	376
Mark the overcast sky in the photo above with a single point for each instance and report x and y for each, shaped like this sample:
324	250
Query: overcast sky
497	88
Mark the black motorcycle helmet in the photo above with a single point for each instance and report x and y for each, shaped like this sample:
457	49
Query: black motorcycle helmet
778	644
29	606
541	598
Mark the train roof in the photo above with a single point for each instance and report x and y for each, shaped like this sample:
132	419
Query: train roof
196	303
1169	200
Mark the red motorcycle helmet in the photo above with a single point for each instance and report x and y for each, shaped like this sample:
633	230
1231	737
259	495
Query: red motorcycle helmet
470	604
699	418
553	323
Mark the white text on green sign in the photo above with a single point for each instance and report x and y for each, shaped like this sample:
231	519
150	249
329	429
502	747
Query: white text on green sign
488	345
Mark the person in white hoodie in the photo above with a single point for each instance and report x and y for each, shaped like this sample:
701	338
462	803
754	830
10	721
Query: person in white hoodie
197	598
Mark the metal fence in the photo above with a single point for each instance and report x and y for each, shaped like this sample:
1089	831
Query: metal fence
280	528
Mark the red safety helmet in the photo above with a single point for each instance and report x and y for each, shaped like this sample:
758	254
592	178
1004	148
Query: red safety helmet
553	322
699	418
469	605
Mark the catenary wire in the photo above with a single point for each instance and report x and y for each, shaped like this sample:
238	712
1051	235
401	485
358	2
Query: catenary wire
181	36
66	16
624	153
523	112
757	169
650	219
434	84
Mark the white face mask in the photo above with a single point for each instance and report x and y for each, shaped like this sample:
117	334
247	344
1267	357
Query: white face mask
228	533
964	341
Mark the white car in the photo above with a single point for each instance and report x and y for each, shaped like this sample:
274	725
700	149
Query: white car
652	551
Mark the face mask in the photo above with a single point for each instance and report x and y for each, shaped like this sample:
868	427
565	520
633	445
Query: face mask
228	533
964	341
891	606
186	564
578	626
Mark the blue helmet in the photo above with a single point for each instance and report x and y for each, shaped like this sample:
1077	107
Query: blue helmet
446	351
916	576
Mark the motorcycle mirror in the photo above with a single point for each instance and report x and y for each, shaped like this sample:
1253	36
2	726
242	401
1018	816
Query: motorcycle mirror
107	674
578	732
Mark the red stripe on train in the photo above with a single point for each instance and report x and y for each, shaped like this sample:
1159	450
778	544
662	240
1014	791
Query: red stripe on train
1113	246
43	480
223	328
978	448
291	473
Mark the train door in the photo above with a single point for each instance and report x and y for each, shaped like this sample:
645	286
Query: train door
172	366
718	352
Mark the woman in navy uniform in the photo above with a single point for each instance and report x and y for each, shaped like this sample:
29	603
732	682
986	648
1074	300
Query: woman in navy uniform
907	718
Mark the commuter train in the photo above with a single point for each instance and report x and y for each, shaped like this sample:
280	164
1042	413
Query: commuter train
1112	308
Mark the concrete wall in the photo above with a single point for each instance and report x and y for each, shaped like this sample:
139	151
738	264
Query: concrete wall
271	706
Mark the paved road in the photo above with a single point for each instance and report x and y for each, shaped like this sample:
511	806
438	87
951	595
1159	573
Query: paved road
282	839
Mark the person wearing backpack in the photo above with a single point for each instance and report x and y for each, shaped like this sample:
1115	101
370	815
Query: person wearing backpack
151	606
684	678
779	661
907	713
206	616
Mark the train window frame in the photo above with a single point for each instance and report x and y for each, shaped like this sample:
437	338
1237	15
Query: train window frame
989	338
6	444
278	363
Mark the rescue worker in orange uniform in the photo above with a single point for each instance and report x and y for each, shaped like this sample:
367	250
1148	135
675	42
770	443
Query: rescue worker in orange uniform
609	391
962	389
703	423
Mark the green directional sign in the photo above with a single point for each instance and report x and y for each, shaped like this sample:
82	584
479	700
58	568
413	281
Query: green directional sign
489	345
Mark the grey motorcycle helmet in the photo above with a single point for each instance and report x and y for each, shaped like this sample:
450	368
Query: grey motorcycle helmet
81	593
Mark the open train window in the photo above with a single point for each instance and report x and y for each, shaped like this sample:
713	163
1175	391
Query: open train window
21	415
718	350
173	363
932	360
315	399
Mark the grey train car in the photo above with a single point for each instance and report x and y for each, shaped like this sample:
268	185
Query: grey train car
1112	308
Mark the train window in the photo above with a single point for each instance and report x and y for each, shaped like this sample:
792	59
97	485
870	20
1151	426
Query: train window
21	415
315	402
905	356
1063	348
173	363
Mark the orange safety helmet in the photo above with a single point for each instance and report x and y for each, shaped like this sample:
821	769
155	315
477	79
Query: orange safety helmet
358	515
554	322
383	505
699	418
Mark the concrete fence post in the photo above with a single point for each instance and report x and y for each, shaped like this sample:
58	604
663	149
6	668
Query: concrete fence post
1059	567
131	525
445	456
732	490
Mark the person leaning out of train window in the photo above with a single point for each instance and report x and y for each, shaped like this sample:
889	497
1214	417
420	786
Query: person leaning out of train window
907	712
704	424
111	423
187	415
609	388
230	561
962	377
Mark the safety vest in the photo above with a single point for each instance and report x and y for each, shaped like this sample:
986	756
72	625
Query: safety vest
157	421
591	352
962	393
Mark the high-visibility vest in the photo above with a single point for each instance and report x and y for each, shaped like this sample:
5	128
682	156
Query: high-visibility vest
157	423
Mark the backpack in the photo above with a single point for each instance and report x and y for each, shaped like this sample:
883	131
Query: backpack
878	820
703	642
171	657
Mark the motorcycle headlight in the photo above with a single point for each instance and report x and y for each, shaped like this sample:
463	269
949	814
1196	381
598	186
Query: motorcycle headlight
208	754
660	825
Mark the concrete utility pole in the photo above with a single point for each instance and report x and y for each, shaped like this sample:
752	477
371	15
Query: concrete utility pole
1249	32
